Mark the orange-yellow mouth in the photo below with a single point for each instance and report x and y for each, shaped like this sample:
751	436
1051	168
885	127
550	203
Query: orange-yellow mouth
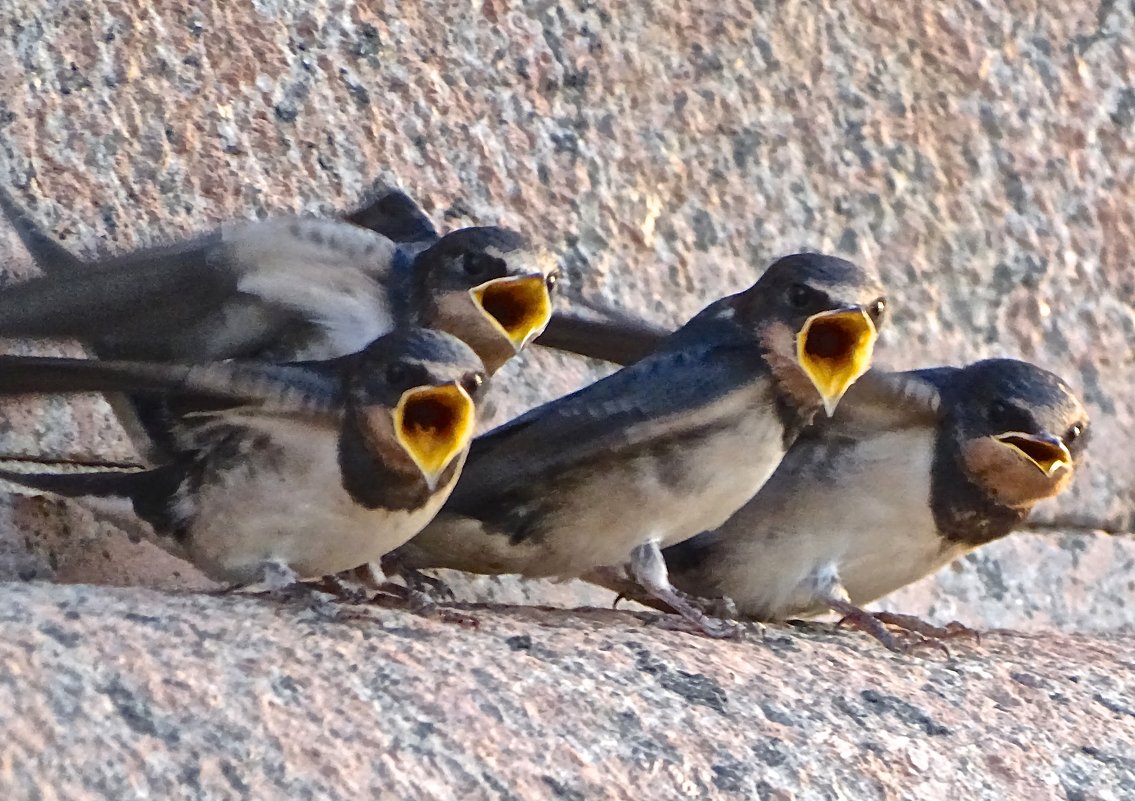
433	425
834	349
1047	453
518	306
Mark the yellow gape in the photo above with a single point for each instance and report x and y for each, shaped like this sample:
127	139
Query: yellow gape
433	425
1049	454
834	349
519	306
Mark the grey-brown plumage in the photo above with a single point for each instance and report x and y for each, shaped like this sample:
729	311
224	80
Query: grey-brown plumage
666	447
286	470
284	289
914	470
287	289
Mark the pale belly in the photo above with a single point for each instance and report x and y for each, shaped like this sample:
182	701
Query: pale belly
611	512
293	511
867	523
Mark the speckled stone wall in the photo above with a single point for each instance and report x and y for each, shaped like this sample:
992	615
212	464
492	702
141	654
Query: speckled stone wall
114	695
980	153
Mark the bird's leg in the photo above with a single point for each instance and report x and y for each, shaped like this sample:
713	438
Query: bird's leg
282	584
917	625
415	579
648	568
918	633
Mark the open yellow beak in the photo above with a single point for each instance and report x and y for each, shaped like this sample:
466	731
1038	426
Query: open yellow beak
834	349
1047	452
520	306
433	425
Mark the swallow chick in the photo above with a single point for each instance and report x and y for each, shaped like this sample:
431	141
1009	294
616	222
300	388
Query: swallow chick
286	289
915	470
286	471
597	333
660	450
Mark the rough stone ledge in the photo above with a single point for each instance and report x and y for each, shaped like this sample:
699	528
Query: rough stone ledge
127	694
1077	581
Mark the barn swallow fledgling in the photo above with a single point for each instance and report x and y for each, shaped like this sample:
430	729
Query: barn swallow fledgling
286	471
285	289
915	470
665	448
604	334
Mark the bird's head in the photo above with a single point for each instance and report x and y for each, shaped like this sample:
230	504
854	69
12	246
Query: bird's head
488	287
1020	431
817	318
412	397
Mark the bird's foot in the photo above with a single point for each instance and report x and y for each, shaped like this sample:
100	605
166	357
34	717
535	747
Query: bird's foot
649	570
281	584
952	630
697	611
913	633
308	596
392	595
417	580
342	588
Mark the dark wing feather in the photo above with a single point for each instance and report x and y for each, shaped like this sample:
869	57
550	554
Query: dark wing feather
150	491
884	401
636	405
396	216
49	255
143	290
612	337
239	291
283	388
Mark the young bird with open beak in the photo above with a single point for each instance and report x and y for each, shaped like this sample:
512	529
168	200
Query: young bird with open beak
597	333
913	471
665	448
284	289
286	471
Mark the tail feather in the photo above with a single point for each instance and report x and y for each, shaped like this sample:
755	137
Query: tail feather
615	339
48	254
396	216
150	492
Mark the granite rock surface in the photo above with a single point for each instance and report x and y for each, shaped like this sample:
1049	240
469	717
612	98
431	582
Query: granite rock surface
132	694
980	154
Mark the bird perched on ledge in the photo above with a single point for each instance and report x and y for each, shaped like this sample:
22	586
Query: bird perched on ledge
294	289
665	448
285	289
914	470
604	335
284	471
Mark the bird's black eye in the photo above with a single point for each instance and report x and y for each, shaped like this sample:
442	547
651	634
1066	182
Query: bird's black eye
799	296
397	374
474	264
552	279
472	383
877	308
1073	434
